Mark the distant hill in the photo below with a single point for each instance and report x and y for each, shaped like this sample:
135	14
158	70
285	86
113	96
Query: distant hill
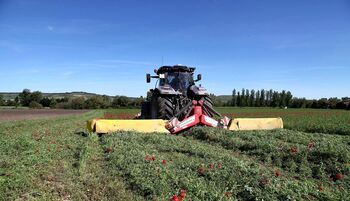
12	95
224	98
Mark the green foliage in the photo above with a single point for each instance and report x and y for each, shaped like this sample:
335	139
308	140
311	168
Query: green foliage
97	102
207	166
77	103
24	97
120	101
56	160
46	102
270	98
307	120
50	160
292	151
35	105
2	101
36	96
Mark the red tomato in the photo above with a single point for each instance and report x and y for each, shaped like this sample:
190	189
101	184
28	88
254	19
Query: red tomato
294	150
321	188
153	157
311	145
175	198
183	195
108	150
278	173
212	166
338	176
220	165
147	158
164	162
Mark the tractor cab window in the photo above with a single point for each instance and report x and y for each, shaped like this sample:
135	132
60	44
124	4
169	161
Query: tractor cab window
179	80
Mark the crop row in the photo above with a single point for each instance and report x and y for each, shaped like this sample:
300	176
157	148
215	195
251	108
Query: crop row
316	156
50	160
162	166
307	120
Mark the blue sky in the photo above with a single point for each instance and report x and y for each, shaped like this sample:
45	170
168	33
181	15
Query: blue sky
107	47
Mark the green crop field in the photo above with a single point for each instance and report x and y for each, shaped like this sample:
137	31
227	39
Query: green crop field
56	159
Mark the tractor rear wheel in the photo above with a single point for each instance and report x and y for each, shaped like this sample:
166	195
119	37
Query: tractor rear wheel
145	110
208	103
161	108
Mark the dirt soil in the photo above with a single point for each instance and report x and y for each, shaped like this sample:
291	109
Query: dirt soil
20	114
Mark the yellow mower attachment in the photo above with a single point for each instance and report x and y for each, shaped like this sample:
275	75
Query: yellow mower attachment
256	123
159	125
112	125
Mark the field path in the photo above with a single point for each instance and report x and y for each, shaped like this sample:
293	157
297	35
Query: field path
21	114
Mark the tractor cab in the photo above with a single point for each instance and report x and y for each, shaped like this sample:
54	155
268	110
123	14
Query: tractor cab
178	77
179	81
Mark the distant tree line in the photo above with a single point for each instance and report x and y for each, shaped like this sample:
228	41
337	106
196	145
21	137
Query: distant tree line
272	98
36	100
260	98
242	98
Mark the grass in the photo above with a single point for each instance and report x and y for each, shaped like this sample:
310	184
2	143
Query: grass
55	159
51	160
192	165
307	120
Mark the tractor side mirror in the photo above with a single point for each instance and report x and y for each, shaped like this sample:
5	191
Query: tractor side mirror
199	77
148	78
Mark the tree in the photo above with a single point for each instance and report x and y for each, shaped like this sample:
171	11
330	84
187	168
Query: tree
247	98
10	103
322	103
120	101
16	101
275	99
239	100
262	98
234	98
251	98
2	102
243	102
270	98
105	102
267	99
35	105
45	102
283	97
289	97
78	103
97	102
53	103
257	99
24	97
138	101
36	96
333	102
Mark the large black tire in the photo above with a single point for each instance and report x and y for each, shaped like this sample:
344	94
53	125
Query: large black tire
161	108
209	103
145	110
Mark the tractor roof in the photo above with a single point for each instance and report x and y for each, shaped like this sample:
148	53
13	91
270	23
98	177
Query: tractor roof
175	68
